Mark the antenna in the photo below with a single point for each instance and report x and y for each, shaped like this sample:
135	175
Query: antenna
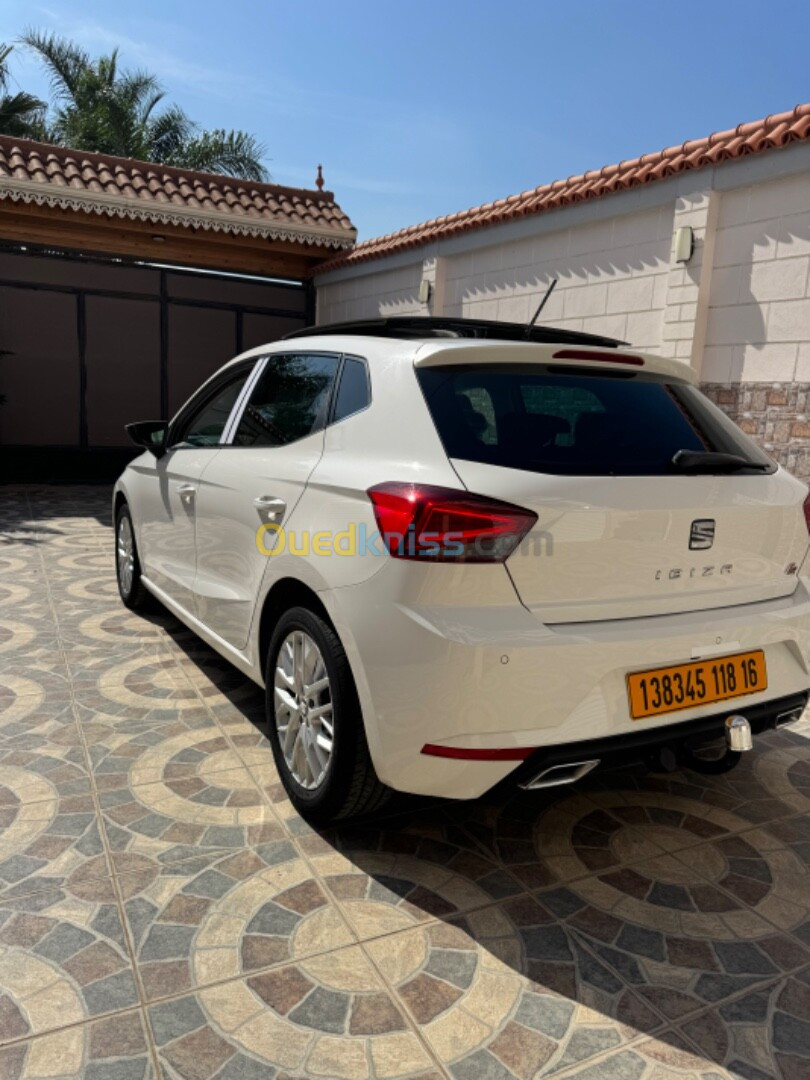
540	307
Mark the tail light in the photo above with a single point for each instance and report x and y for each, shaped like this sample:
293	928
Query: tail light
444	525
806	509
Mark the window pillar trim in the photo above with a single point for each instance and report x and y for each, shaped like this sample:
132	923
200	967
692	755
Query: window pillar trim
241	402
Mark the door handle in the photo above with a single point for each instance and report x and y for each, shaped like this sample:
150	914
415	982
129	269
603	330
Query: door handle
269	504
187	492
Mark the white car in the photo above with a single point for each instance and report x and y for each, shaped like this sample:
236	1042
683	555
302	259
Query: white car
583	560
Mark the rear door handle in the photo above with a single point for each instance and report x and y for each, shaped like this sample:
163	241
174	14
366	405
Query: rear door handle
187	492
269	504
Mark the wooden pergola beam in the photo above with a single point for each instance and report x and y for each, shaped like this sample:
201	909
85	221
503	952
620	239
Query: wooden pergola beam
29	223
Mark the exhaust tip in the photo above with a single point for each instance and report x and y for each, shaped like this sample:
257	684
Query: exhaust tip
556	775
792	716
738	734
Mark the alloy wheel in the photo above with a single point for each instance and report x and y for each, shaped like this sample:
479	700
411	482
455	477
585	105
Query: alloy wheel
125	555
302	700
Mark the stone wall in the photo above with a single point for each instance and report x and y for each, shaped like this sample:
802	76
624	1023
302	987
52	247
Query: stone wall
776	414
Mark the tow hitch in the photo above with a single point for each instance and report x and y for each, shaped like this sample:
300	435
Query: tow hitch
738	741
738	734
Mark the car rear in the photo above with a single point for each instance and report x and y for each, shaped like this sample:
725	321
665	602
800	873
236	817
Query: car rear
617	567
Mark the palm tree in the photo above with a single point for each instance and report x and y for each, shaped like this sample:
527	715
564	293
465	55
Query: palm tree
20	114
98	106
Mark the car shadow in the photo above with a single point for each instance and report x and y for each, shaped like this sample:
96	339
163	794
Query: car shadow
636	919
28	514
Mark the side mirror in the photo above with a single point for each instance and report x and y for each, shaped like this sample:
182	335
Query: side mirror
150	434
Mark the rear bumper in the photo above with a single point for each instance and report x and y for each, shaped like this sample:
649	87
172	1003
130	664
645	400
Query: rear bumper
494	677
636	745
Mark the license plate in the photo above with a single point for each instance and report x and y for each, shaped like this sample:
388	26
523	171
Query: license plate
701	682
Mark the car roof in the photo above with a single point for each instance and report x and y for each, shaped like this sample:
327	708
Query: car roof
433	352
448	328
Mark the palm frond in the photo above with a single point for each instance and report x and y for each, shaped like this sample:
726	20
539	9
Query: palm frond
232	153
5	52
65	61
98	105
138	88
22	115
149	105
168	133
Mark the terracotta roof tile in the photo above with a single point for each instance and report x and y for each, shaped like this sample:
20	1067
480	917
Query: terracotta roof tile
752	138
38	172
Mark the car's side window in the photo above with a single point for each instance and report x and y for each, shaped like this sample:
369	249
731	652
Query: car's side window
289	401
354	392
204	426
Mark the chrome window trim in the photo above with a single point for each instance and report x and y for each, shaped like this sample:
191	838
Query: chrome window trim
241	402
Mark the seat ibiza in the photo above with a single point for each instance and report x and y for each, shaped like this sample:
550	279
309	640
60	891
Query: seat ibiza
451	551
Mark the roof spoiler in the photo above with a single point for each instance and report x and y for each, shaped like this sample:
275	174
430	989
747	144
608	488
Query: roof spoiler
420	327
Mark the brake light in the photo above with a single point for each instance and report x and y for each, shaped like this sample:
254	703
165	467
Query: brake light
602	357
444	525
806	509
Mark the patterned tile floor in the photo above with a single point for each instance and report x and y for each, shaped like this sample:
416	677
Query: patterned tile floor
165	913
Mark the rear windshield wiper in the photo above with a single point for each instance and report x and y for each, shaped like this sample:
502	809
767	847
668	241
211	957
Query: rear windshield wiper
712	461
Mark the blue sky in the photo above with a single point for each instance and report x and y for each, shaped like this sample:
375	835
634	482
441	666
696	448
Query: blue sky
422	108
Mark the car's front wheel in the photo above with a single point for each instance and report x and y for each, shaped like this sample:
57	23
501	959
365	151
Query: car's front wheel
315	722
127	564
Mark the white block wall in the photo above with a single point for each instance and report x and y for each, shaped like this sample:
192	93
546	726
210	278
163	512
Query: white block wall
759	304
612	279
739	311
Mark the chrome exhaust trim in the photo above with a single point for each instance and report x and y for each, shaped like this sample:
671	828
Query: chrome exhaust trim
556	775
738	734
792	716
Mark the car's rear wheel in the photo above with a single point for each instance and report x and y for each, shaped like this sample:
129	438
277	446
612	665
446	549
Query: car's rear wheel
127	564
315	722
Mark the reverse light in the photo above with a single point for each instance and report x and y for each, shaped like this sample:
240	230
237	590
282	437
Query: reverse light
602	357
440	524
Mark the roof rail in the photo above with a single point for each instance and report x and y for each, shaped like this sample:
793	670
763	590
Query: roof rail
402	326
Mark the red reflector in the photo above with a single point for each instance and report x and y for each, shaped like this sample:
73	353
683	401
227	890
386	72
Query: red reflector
806	509
464	753
602	357
444	525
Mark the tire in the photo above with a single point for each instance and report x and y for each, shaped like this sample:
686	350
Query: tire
130	587
324	786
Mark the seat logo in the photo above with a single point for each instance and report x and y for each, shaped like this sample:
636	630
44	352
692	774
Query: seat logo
701	535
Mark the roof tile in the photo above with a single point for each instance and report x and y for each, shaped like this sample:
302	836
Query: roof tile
143	185
752	138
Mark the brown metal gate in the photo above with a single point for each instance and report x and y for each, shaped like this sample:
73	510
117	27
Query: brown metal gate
88	345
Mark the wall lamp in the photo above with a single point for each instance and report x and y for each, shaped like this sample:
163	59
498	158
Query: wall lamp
684	243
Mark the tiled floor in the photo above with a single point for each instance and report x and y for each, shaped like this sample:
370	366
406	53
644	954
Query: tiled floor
165	913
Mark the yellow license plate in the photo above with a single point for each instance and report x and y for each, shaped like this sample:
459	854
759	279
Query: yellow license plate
701	682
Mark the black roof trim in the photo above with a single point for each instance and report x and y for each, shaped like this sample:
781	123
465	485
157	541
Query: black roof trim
403	326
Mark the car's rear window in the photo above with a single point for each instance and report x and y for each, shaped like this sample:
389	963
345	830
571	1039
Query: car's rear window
545	419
